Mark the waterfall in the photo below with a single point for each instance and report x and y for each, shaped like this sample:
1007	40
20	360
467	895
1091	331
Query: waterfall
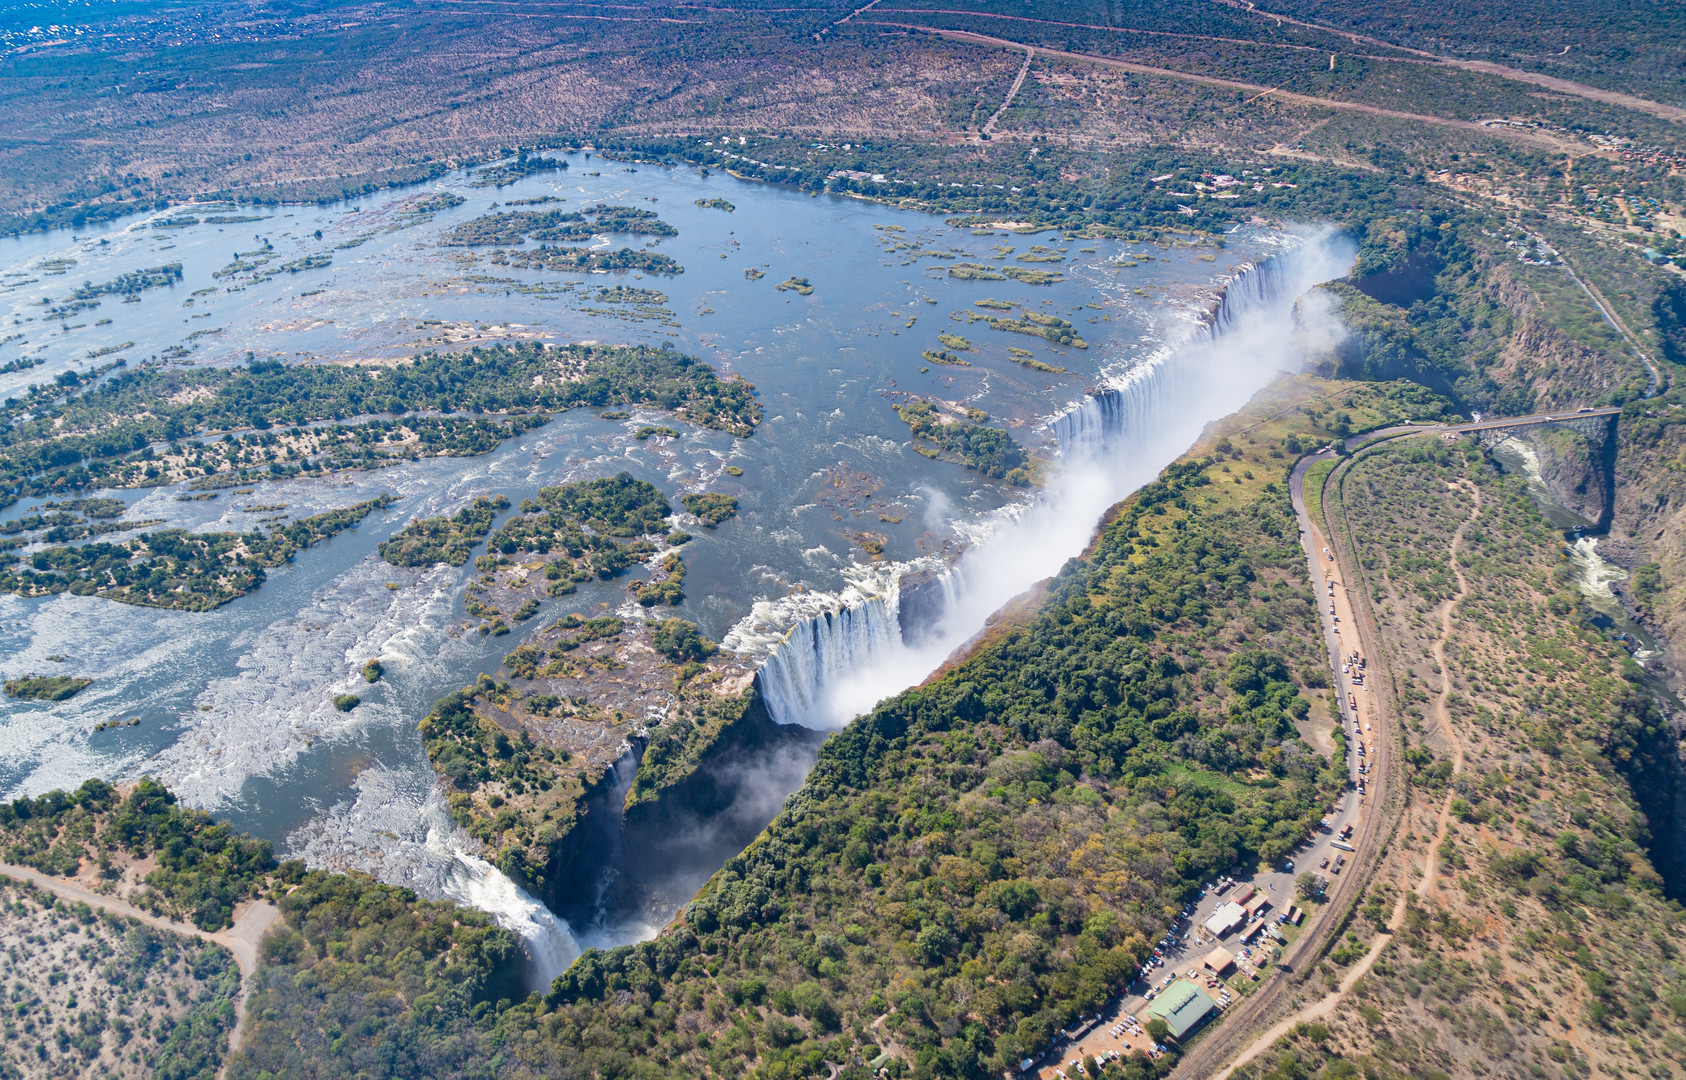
398	829
796	677
477	883
1261	297
836	664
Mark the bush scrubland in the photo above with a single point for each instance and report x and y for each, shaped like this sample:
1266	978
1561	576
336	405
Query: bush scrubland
94	994
1540	931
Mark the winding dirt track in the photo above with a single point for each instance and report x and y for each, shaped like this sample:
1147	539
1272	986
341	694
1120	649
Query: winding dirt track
241	939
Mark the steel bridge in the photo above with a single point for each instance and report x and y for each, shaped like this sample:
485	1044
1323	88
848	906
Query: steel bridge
1591	421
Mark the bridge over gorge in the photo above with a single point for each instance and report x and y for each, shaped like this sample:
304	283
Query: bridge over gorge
1590	421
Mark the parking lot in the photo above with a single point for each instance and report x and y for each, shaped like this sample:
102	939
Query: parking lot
1121	1027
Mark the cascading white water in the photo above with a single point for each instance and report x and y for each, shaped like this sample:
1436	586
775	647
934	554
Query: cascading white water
477	883
836	665
795	678
399	830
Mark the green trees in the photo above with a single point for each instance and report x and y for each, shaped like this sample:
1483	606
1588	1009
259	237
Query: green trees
203	869
103	436
177	569
918	866
990	451
361	965
680	639
425	541
710	507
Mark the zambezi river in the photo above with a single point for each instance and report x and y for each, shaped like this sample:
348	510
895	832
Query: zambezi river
837	509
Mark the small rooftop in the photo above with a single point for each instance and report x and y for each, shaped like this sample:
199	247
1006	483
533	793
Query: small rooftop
1183	1007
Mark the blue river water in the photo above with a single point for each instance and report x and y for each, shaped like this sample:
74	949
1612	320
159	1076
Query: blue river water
236	704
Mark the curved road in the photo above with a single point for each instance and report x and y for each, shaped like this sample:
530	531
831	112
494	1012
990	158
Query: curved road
1378	811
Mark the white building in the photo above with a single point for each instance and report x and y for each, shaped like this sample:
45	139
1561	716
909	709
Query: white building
1225	919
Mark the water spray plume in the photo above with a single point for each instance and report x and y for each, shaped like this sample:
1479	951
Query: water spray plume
837	664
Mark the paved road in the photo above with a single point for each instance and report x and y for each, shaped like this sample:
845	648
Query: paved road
1366	721
1533	418
250	925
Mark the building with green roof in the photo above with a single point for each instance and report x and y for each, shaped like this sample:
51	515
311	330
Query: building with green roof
1183	1006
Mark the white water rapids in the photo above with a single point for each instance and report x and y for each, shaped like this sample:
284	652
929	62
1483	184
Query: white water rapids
837	664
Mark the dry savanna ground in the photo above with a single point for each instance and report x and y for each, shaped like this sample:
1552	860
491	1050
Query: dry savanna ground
93	994
1529	935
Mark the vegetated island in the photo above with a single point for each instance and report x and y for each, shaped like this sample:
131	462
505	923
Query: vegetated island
523	759
152	426
565	535
62	522
1028	359
710	507
448	539
799	285
173	568
944	357
504	173
1036	324
988	450
567	226
46	687
717	204
626	294
1041	253
969	271
586	260
131	283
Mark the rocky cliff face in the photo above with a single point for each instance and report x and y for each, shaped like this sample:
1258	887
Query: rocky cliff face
1577	471
674	808
1648	515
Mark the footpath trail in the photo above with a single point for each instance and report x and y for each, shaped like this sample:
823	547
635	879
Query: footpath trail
250	925
1429	880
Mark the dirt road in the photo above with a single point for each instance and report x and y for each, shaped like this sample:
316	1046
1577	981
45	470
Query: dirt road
1007	102
1519	134
1486	67
251	923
